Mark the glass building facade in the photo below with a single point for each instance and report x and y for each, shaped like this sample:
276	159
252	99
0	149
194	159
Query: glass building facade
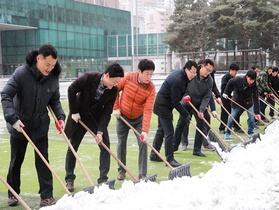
79	31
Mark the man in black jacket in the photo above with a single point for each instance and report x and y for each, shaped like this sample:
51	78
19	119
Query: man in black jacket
167	99
200	91
25	98
91	99
245	93
233	69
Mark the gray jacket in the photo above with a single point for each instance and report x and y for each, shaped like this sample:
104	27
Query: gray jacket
200	91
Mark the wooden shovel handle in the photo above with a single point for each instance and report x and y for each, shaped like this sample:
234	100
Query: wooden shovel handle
110	152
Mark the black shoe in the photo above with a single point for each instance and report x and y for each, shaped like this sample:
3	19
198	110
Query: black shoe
155	158
222	131
174	163
142	176
121	175
238	130
47	202
12	201
70	185
199	153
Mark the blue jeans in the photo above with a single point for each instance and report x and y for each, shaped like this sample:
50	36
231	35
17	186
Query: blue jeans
251	119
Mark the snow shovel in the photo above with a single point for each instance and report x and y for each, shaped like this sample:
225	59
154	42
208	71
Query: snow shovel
222	143
229	114
268	104
15	194
246	110
110	183
231	130
204	136
252	139
45	161
150	178
183	170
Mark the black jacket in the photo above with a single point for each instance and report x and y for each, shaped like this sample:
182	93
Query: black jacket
81	96
26	97
170	95
243	94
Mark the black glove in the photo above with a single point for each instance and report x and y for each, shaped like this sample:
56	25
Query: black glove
188	119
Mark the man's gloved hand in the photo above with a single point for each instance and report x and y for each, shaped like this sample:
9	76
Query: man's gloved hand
214	114
99	137
116	113
258	117
59	125
76	117
17	125
225	96
218	101
267	95
143	136
201	115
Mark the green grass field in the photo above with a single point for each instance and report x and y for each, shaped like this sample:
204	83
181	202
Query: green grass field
89	155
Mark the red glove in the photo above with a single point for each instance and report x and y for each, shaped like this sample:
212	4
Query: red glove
59	125
218	101
187	99
143	136
267	95
258	117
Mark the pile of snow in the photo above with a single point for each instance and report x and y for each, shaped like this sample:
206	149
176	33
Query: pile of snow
249	179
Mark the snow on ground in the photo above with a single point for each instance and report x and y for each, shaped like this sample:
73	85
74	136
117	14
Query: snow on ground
249	179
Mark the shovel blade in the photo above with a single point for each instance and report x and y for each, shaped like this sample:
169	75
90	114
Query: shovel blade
91	188
253	139
212	137
151	178
183	170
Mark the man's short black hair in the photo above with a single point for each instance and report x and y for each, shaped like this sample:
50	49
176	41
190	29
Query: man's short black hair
189	65
234	67
146	64
115	70
251	74
205	62
254	67
275	69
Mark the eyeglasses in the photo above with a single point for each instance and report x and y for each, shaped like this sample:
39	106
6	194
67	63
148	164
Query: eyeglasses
209	70
194	73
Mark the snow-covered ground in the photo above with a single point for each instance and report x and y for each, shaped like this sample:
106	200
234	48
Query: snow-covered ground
249	179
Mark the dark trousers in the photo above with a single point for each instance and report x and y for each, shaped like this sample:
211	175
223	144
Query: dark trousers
18	150
262	106
165	130
122	135
182	128
104	160
272	103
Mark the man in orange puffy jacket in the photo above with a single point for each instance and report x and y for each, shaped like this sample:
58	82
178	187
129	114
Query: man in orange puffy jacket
134	102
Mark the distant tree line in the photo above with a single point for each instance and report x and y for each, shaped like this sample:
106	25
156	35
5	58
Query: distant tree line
206	25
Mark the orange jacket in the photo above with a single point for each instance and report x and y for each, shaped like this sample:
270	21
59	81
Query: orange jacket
135	99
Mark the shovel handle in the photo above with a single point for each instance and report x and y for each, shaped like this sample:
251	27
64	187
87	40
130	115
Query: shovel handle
15	194
225	143
110	152
229	114
148	144
246	110
44	160
240	139
72	148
